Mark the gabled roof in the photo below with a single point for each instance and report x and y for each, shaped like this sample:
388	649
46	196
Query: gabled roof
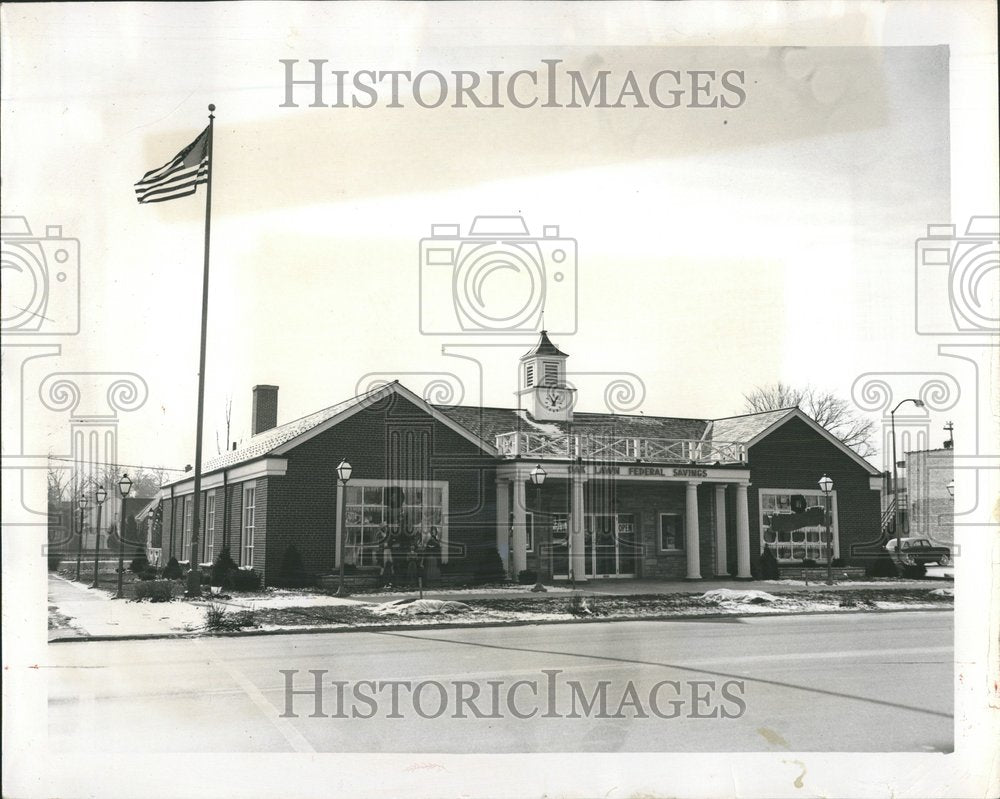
263	443
481	426
745	427
797	413
544	347
279	440
137	505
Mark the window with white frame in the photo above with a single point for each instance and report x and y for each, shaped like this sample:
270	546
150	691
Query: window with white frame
249	523
370	512
792	536
529	375
188	528
671	532
551	373
210	526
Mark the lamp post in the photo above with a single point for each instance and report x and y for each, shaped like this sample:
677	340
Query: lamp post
826	486
895	464
82	504
124	489
343	475
99	496
537	478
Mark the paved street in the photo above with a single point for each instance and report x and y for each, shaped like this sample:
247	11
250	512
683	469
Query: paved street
852	682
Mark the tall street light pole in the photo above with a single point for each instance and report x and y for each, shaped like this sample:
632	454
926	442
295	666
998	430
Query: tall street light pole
537	478
82	504
343	475
826	486
124	488
99	496
895	470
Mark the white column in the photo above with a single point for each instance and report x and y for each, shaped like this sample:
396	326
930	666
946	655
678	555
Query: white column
721	556
742	533
691	535
577	558
503	522
519	555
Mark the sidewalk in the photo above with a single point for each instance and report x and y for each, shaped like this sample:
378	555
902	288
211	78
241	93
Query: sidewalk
81	612
92	611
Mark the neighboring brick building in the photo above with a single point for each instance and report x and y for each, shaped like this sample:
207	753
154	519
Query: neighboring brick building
623	495
930	506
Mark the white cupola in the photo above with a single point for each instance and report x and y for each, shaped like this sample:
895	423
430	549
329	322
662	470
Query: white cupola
542	382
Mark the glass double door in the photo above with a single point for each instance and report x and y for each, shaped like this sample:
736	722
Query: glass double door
610	547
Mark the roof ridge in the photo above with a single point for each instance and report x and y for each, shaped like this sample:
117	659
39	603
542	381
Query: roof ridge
755	413
321	410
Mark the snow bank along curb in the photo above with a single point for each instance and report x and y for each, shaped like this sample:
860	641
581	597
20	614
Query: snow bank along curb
458	625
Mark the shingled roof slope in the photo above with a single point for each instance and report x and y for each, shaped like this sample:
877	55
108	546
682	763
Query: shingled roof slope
748	426
487	423
262	443
544	347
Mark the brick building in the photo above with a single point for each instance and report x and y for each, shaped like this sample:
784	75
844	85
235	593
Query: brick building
622	496
930	505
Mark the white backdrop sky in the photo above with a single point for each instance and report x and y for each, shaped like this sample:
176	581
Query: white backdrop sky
719	249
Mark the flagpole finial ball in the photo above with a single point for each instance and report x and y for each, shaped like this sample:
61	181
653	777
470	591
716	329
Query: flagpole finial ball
211	107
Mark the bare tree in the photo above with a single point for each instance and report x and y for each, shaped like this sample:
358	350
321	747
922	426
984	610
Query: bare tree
229	423
60	483
832	412
147	482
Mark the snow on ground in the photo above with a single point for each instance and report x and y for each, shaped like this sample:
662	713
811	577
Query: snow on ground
419	607
733	595
285	600
888	582
549	589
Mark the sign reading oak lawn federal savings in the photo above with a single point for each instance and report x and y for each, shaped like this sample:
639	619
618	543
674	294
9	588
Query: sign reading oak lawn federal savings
661	472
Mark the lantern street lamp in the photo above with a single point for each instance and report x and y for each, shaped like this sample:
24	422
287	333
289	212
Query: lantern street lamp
99	496
124	488
951	489
81	503
826	486
895	474
538	476
343	475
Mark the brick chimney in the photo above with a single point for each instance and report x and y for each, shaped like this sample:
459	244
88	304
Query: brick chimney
265	409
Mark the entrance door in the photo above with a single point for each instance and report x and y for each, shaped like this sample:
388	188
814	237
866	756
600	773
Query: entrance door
609	545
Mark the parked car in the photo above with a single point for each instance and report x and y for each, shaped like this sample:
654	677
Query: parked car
920	552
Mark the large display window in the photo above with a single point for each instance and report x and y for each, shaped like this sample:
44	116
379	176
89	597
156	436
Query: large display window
406	513
794	528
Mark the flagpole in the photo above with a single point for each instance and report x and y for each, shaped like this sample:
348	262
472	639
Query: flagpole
194	576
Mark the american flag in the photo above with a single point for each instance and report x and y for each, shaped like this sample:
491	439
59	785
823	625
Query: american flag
179	177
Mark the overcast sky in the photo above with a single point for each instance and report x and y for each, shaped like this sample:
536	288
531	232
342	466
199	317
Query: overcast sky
718	249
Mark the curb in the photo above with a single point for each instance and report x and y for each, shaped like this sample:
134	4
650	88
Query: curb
381	628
